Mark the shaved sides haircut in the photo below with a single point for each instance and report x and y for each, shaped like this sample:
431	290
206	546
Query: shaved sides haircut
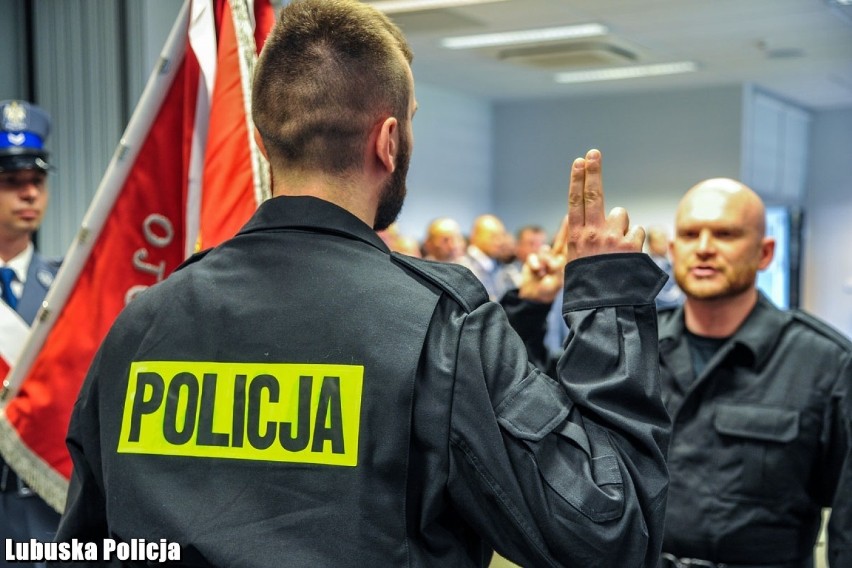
329	70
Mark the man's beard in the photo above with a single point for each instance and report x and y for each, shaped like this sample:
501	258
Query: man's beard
393	194
736	283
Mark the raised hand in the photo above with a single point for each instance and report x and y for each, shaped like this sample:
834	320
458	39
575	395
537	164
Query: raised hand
543	272
589	232
584	232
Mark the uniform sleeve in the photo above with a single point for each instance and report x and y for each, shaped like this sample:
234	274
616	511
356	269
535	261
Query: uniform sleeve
529	319
840	522
569	470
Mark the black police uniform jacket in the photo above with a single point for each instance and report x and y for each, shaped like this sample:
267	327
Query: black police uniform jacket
760	441
299	396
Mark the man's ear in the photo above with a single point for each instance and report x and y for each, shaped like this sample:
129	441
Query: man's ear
767	252
387	143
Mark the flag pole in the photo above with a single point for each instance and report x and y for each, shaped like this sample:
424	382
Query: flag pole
114	178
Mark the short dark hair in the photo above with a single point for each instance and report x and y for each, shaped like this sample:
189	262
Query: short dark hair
328	71
529	229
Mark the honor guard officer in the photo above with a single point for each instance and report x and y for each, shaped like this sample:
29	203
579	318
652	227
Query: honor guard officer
25	277
300	396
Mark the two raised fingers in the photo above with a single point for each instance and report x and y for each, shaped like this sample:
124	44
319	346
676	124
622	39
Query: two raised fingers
586	230
585	191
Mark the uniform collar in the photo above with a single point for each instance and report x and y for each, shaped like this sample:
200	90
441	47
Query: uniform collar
311	214
757	335
761	330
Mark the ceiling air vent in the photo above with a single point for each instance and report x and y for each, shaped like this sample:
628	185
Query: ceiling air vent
569	55
434	21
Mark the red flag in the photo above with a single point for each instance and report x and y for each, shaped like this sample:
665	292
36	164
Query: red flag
230	195
139	228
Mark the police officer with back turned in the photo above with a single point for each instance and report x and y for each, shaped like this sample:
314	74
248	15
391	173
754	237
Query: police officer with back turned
300	396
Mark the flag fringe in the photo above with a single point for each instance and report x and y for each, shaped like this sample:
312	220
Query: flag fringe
49	484
244	32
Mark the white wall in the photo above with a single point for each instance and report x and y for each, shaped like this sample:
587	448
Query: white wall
654	146
450	173
149	23
828	231
79	81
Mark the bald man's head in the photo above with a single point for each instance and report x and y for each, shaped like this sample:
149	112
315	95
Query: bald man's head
720	241
488	235
709	196
444	240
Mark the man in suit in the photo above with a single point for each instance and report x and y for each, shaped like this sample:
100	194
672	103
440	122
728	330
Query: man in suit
483	255
25	277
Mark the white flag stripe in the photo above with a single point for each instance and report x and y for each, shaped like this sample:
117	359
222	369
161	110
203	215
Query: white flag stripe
202	42
13	334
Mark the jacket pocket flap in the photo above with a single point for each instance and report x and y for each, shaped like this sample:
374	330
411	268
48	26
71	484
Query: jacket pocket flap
533	408
757	422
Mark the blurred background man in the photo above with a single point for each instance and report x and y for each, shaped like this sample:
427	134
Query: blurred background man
482	257
657	242
530	239
444	240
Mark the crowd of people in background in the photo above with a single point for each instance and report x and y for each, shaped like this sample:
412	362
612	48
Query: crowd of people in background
496	256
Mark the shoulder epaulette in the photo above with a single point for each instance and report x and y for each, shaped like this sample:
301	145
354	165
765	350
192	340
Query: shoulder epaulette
822	328
193	259
456	280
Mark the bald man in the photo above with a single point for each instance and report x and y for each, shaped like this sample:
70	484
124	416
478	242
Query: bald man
760	442
759	398
482	257
444	240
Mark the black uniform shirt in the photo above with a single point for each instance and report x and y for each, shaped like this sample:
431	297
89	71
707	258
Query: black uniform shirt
299	396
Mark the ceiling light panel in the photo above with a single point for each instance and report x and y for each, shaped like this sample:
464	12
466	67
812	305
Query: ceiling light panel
525	36
632	72
402	6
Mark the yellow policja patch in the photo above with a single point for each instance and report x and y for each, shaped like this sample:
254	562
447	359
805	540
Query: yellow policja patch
286	412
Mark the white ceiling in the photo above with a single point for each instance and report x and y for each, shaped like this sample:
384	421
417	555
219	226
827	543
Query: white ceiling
800	50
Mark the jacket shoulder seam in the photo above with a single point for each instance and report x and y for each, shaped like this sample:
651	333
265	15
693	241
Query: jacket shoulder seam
455	280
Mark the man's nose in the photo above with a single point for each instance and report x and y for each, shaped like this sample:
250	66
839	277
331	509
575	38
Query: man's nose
705	242
28	190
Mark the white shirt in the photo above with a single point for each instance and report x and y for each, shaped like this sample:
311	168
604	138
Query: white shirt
20	264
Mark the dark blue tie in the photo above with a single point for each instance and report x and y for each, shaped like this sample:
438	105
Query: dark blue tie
6	277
